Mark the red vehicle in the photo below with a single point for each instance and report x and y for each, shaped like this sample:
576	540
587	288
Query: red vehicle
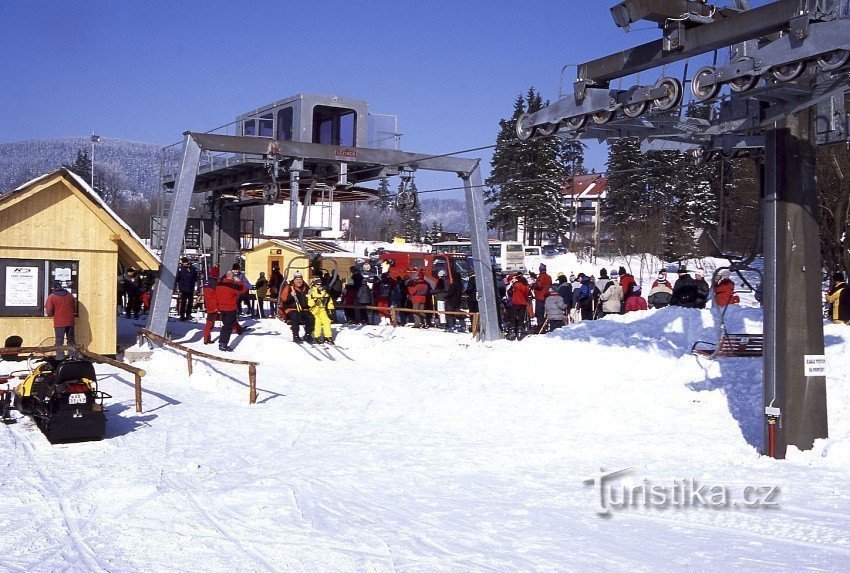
406	265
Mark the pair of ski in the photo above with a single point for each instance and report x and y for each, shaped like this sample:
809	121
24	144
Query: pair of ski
324	350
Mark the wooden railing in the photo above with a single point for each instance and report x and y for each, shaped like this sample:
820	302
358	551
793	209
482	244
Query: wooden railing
393	312
191	353
137	372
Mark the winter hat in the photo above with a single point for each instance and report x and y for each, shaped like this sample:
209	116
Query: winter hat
316	281
838	277
262	274
542	267
662	276
184	259
561	274
603	273
298	275
572	278
725	273
622	271
57	285
553	289
699	272
614	274
235	267
682	271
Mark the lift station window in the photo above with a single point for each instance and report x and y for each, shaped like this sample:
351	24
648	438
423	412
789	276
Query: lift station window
249	127
267	125
284	124
334	126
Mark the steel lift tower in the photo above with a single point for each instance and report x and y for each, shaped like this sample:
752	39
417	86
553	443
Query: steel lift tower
783	91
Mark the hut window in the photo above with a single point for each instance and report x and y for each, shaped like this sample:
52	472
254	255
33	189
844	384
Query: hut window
267	125
249	127
284	124
334	126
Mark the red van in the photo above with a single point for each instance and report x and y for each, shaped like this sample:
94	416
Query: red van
406	265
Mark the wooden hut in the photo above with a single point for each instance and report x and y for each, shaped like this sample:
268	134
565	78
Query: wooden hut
287	254
56	228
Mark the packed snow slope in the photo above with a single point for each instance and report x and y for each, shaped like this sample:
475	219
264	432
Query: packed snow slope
408	450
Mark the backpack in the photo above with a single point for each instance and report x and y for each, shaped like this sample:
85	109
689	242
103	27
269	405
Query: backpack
385	289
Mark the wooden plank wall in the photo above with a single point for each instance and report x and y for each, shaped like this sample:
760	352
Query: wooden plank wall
55	224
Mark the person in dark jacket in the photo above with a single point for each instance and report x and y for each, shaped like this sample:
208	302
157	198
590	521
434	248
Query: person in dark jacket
227	294
275	283
471	292
587	295
454	296
133	288
703	289
61	306
383	293
685	291
187	278
839	297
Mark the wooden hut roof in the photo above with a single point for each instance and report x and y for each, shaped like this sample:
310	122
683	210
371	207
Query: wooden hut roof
131	249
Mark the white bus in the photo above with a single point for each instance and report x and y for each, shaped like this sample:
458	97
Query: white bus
509	256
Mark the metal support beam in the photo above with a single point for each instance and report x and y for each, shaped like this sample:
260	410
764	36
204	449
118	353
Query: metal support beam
294	179
792	319
484	281
767	19
175	229
230	237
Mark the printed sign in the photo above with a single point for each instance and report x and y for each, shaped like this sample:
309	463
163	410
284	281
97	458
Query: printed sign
815	365
62	274
21	286
346	153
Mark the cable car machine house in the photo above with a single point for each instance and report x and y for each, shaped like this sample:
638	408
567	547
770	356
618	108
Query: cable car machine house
233	181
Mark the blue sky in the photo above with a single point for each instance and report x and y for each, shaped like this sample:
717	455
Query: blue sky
150	70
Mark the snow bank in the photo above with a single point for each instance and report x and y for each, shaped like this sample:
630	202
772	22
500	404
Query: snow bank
415	450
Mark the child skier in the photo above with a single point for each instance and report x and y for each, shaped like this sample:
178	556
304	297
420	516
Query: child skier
321	306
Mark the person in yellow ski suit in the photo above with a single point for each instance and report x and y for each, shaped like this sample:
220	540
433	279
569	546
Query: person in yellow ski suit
321	305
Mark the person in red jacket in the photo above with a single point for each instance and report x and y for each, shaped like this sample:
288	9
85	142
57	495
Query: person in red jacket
724	290
627	284
227	294
519	294
636	301
541	291
60	305
419	289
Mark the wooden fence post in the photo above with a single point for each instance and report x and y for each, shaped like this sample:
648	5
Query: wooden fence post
138	393
189	362
252	384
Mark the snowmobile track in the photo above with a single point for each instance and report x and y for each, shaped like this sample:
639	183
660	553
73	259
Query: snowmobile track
70	521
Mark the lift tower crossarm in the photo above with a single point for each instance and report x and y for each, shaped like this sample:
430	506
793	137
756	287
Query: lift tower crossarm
353	155
722	33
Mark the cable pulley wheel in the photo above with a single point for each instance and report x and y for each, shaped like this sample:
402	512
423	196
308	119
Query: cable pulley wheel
602	117
524	127
700	87
743	83
547	129
833	60
635	109
788	72
673	97
575	123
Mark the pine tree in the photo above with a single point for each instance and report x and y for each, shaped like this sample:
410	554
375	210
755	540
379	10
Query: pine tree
81	166
412	218
526	177
385	200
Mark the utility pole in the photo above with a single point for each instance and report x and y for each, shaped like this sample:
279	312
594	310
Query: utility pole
94	139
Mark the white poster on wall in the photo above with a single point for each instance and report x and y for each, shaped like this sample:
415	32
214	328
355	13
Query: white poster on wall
21	286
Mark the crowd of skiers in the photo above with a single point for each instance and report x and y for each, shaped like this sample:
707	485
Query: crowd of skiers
587	297
548	304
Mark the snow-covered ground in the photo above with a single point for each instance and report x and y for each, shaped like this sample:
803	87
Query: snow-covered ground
410	450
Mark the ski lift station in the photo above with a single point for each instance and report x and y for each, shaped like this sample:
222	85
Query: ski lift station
300	158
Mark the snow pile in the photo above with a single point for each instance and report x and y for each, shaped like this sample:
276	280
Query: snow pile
416	450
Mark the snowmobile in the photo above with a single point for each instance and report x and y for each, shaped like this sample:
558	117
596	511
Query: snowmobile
61	395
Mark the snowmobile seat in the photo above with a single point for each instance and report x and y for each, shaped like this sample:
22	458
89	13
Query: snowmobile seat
13	342
74	370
